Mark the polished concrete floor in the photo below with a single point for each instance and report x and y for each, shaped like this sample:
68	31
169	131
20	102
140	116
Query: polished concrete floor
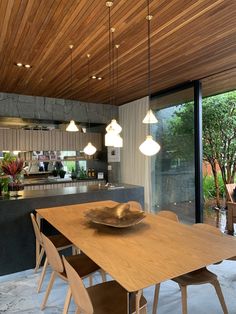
18	294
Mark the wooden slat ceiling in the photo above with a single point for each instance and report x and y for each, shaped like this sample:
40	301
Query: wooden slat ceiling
190	40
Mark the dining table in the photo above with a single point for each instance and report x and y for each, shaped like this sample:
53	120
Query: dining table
148	253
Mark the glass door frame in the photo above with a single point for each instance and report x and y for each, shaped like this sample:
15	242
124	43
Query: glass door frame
198	147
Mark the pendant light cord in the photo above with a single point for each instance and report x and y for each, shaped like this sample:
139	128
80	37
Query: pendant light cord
88	64
110	71
149	17
117	72
71	74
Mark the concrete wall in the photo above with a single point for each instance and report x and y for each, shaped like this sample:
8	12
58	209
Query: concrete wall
33	107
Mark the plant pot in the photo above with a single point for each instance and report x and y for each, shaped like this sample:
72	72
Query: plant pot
62	174
14	187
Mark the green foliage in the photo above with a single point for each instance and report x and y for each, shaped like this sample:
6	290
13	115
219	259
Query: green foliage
219	132
209	189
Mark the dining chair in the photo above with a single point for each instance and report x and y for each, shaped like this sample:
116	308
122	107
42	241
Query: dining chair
168	214
82	264
104	298
58	240
197	277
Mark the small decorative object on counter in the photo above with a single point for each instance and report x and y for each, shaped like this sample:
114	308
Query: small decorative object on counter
93	174
82	173
55	172
62	173
73	174
89	173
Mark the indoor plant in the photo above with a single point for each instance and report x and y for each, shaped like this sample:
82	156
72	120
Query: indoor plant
13	167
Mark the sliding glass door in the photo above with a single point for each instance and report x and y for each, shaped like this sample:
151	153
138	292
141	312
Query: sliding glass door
173	168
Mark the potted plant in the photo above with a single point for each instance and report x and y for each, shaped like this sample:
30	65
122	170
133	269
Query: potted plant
62	173
55	172
13	167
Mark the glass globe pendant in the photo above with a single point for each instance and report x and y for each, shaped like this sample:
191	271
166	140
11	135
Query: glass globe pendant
114	126
118	141
109	138
149	147
90	149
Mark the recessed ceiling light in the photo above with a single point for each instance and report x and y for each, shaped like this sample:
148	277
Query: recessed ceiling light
27	66
94	77
19	64
99	78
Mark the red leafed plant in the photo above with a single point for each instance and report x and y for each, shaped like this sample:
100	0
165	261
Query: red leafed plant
12	168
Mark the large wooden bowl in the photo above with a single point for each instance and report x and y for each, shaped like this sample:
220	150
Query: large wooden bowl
119	216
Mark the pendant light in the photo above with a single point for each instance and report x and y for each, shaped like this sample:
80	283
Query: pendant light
113	129
118	140
72	127
149	147
89	148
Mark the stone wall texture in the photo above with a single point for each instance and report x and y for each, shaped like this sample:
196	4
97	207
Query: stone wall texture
44	108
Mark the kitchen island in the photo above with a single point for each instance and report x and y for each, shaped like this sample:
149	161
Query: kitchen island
17	240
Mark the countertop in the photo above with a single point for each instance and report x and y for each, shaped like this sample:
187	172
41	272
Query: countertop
67	191
55	180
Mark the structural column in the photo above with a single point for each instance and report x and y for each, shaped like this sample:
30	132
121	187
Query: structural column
198	152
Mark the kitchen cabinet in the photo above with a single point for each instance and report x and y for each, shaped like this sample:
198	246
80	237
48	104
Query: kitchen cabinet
29	140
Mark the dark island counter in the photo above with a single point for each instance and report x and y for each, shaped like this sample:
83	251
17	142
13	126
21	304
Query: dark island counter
17	240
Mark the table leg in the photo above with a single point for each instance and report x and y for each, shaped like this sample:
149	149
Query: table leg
129	307
138	295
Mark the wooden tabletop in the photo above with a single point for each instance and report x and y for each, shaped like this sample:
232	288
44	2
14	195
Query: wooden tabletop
151	252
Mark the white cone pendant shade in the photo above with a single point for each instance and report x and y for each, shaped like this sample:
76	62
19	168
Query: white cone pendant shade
150	117
114	127
149	147
110	138
72	127
118	141
90	149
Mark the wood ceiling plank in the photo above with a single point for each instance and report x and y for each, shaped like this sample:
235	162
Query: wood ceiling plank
190	39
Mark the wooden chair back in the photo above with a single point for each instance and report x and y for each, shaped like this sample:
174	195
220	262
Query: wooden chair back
230	192
168	214
208	228
79	292
36	229
53	256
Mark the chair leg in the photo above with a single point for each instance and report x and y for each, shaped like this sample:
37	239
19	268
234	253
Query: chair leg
74	250
38	262
143	310
90	280
67	301
219	293
42	275
137	301
103	275
155	299
184	299
52	279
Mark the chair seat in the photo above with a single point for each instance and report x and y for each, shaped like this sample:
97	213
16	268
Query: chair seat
82	264
59	241
232	258
109	297
196	277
